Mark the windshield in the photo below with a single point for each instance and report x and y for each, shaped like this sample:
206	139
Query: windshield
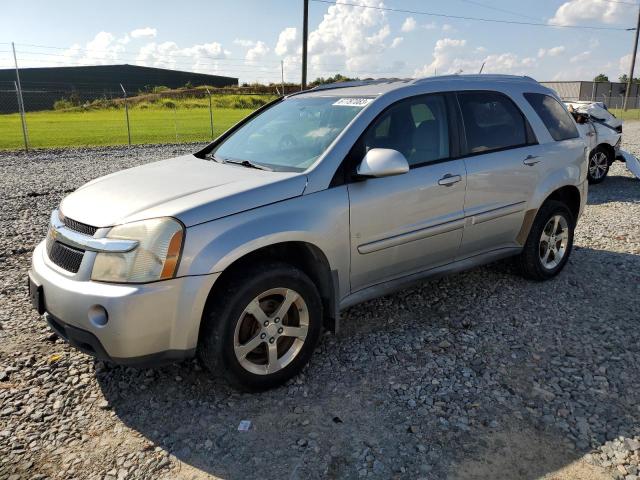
292	134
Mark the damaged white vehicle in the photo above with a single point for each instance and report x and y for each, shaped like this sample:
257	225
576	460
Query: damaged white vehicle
603	133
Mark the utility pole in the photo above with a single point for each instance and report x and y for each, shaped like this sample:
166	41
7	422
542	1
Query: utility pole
305	34
126	111
282	71
633	63
25	133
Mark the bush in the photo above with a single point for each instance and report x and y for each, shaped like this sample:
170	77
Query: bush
102	104
63	104
159	89
168	103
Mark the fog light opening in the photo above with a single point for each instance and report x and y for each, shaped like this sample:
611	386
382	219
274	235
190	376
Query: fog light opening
98	316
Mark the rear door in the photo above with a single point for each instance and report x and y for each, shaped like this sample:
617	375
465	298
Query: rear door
503	163
411	222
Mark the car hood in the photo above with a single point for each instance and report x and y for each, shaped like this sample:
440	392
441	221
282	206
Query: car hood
188	188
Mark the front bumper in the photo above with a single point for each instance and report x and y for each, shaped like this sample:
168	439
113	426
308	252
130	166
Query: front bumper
146	324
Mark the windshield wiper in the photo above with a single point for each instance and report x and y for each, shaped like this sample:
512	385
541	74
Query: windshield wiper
248	164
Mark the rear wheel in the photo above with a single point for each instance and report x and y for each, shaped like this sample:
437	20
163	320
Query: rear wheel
262	328
599	161
549	243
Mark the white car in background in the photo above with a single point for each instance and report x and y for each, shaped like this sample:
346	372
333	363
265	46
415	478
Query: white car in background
603	134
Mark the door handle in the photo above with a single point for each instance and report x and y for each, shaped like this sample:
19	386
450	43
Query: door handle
531	160
449	180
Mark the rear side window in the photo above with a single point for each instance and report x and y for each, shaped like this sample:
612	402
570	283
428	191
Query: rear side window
559	123
492	122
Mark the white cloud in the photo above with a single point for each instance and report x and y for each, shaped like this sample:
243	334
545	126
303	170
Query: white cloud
146	32
625	63
551	52
408	25
352	37
430	26
202	57
257	52
447	28
456	56
581	57
104	49
576	11
287	42
396	42
244	43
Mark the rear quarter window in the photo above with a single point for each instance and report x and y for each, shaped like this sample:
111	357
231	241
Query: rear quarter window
559	123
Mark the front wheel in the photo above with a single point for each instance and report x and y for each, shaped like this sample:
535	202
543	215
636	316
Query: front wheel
549	244
599	162
261	330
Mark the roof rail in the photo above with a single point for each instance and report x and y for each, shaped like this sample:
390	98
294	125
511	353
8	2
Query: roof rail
479	76
351	83
357	83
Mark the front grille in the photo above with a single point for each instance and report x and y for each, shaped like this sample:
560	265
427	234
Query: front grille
79	227
64	256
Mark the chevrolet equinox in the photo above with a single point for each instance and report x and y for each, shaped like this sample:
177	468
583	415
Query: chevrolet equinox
242	253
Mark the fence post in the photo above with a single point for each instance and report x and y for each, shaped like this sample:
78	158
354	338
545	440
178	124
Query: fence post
25	133
175	120
210	113
126	111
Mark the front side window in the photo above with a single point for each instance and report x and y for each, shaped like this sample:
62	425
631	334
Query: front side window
559	123
492	122
416	127
292	134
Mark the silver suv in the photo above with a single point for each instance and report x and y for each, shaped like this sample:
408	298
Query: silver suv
243	252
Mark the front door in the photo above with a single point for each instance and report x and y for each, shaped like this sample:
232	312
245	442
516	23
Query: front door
411	222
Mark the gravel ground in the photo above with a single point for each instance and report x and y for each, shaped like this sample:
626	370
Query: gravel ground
479	375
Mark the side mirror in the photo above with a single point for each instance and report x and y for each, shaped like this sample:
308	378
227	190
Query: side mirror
382	162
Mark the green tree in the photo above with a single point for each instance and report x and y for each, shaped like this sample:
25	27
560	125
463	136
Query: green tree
336	78
601	77
624	78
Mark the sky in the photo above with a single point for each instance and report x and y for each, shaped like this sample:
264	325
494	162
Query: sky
249	38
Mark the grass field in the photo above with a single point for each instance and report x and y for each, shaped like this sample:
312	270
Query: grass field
631	114
108	127
151	122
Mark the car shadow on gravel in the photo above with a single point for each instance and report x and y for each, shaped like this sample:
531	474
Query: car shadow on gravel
615	188
477	375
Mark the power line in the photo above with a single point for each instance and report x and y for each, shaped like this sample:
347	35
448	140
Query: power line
242	69
497	9
479	19
622	2
173	54
131	56
251	65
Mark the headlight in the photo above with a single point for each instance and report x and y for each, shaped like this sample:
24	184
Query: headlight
155	258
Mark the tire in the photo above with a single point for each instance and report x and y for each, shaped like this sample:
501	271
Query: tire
228	326
531	260
599	162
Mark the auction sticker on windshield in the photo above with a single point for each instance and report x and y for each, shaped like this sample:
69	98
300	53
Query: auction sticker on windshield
353	102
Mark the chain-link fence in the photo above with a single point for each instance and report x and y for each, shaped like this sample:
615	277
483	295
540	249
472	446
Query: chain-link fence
63	118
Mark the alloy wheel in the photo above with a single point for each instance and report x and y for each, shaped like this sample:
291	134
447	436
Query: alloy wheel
554	241
271	331
598	165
